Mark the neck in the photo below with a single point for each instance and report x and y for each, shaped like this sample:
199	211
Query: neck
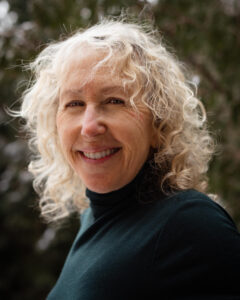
140	190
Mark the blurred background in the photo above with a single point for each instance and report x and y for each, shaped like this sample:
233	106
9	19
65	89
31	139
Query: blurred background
205	35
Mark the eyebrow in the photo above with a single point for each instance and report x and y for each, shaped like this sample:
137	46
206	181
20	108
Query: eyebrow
112	88
104	90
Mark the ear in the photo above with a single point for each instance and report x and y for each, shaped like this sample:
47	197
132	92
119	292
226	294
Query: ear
154	138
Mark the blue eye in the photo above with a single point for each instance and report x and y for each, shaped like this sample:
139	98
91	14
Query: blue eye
74	103
115	101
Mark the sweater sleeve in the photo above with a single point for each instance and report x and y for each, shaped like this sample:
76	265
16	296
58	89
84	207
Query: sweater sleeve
197	255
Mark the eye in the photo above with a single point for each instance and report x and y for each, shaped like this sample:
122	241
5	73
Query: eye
115	101
74	103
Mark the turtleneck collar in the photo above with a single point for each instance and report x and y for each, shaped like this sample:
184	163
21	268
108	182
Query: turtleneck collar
101	203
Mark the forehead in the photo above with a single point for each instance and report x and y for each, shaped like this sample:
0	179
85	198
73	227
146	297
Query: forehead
92	66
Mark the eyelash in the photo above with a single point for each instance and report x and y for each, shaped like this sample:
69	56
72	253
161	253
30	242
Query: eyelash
115	101
74	103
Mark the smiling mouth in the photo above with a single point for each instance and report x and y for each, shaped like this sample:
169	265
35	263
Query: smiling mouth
100	154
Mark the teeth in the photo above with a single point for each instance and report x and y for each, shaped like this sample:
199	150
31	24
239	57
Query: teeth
98	155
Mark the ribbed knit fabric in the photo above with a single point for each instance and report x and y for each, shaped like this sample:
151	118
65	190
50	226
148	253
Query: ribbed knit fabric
183	246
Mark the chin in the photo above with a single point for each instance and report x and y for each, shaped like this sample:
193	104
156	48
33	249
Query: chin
103	188
100	190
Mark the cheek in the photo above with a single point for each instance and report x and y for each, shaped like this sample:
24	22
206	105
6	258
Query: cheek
142	124
60	128
64	132
137	130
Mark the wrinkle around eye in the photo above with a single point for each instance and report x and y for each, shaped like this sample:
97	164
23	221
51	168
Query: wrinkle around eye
115	100
74	103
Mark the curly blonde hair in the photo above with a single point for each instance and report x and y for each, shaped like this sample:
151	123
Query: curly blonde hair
184	146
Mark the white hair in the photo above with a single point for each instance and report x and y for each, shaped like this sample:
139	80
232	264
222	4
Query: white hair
184	146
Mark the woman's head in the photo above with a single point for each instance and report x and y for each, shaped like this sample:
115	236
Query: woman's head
102	136
111	91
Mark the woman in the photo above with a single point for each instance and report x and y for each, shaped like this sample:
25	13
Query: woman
112	116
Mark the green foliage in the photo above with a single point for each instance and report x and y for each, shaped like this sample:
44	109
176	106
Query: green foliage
206	37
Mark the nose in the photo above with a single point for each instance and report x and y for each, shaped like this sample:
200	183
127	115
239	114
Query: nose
92	123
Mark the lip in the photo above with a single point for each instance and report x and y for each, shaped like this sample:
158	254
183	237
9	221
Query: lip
94	150
99	160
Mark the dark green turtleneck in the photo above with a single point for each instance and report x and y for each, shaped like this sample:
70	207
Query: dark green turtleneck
131	246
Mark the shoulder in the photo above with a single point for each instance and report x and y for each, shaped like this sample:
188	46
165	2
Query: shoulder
197	210
199	242
191	205
197	222
86	219
188	212
194	213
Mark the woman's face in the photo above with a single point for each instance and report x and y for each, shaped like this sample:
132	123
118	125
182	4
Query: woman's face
102	137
